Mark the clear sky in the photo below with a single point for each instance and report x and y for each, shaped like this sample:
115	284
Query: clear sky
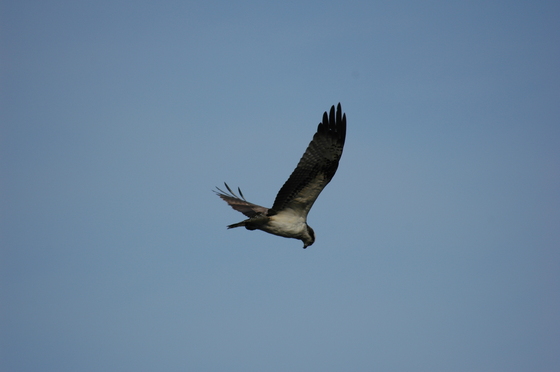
438	240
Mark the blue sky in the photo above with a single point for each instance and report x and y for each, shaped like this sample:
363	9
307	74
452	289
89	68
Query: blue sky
437	240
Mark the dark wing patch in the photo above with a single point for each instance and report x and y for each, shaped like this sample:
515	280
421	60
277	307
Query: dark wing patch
317	166
239	203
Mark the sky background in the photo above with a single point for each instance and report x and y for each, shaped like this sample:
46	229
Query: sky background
438	240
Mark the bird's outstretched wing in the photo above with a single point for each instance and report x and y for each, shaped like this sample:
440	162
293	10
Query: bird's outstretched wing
316	167
239	203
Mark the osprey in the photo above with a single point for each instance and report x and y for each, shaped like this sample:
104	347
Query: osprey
317	166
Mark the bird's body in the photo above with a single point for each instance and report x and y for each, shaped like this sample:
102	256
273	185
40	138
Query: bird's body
287	224
288	215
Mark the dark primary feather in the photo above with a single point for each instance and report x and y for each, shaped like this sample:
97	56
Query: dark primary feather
239	203
318	164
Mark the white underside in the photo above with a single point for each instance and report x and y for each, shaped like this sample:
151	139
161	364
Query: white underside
287	224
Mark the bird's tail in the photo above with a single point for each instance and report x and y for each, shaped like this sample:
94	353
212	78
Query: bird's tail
239	224
251	223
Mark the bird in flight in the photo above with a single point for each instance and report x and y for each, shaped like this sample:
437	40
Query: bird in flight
317	166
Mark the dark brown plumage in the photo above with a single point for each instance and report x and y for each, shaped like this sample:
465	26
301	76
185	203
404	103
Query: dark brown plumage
316	168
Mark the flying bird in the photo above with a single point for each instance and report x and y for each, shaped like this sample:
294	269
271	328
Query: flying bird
317	166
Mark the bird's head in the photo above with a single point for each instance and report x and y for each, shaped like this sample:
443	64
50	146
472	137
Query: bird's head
308	238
